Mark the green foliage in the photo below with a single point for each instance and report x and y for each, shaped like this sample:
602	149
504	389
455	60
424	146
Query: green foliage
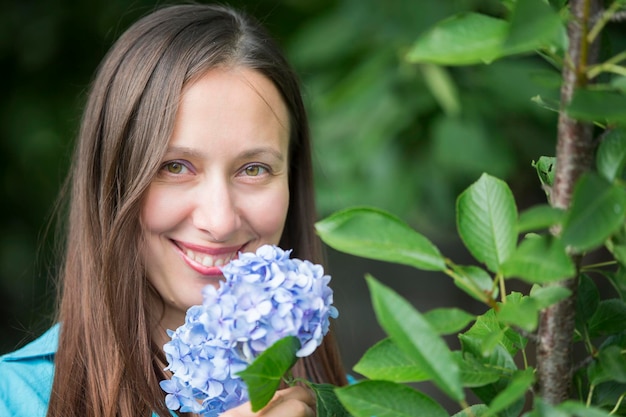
379	235
540	247
264	375
428	129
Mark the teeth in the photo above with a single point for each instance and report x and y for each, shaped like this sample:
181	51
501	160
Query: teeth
208	260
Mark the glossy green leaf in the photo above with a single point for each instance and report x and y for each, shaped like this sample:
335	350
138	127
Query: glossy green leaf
410	331
546	296
539	217
448	320
385	361
486	221
326	402
488	325
533	25
474	373
263	376
598	106
475	281
464	39
611	154
387	399
539	259
597	210
375	234
524	311
520	384
609	318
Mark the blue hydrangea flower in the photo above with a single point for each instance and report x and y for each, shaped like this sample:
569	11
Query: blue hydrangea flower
265	297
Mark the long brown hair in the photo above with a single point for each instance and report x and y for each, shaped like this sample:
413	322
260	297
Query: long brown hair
107	364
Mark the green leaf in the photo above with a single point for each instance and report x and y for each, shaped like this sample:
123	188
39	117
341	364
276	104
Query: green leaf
524	311
587	300
327	404
598	106
597	210
546	168
263	376
521	382
375	234
448	320
609	318
611	154
476	410
539	217
464	39
534	25
608	394
474	373
581	410
441	85
385	361
387	399
612	361
546	296
540	260
488	325
618	280
616	244
416	337
475	281
486	220
542	408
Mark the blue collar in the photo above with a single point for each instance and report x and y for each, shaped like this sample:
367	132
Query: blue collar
45	345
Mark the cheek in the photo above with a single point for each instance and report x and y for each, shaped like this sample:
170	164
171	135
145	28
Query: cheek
158	212
268	214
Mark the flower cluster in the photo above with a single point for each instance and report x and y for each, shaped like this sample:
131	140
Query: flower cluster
266	296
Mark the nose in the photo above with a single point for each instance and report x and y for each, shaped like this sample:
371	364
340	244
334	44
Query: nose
215	212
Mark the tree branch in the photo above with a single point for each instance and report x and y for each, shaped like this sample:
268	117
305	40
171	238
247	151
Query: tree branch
574	156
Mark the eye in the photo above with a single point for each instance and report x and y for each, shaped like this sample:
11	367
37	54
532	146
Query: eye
254	170
175	167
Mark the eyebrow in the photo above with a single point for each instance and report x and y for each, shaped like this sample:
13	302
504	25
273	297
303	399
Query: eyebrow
250	153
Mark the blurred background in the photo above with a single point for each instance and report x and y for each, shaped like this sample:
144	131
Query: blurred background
406	138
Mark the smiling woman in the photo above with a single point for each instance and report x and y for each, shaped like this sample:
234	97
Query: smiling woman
194	146
226	168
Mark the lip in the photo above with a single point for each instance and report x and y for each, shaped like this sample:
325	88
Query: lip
209	271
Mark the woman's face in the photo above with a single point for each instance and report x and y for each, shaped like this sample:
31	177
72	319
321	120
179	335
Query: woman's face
222	186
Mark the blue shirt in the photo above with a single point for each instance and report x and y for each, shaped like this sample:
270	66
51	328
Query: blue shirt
26	377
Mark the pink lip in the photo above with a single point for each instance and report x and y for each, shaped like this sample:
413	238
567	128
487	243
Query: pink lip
209	271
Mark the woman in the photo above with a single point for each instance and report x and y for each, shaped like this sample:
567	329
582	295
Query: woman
194	145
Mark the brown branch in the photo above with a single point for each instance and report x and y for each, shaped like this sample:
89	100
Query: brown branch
574	156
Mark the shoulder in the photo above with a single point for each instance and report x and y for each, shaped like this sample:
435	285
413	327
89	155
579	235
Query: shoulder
26	376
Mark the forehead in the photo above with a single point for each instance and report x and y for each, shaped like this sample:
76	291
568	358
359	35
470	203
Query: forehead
225	81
